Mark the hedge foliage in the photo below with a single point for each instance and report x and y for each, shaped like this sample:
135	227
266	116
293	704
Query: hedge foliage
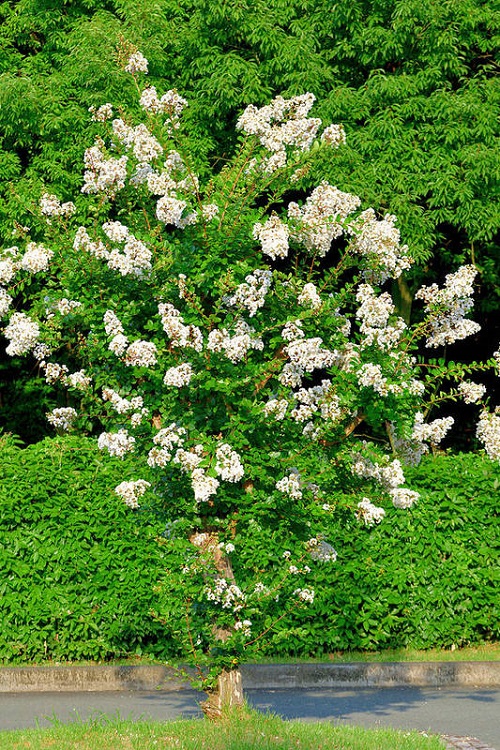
77	567
79	571
422	579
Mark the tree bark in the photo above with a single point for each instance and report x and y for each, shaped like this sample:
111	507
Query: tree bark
227	695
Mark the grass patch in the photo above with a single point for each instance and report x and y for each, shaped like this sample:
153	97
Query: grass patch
486	652
250	731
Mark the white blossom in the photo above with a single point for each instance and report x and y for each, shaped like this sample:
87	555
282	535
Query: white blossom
23	334
320	220
273	237
228	466
488	432
116	443
291	485
36	258
369	513
432	432
179	376
309	297
141	354
132	491
62	418
136	63
403	498
471	392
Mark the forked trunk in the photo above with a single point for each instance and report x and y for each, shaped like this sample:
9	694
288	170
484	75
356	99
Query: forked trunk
227	695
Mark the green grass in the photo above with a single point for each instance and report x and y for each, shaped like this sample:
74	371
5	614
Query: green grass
250	731
486	652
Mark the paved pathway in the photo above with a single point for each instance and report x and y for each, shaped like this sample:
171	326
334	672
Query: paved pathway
461	714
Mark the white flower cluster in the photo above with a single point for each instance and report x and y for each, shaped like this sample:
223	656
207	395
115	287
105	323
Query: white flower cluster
5	302
141	354
62	418
471	392
83	242
390	477
116	443
165	440
36	258
334	136
23	334
103	175
369	513
180	334
292	331
282	123
178	376
9	264
134	259
370	376
235	347
305	595
251	294
276	408
125	406
321	218
291	485
136	63
132	491
145	147
273	237
403	498
203	485
410	450
488	432
112	324
291	375
54	372
379	242
228	466
447	307
309	297
102	113
50	205
374	313
432	432
228	595
314	399
308	355
245	626
170	103
67	306
79	380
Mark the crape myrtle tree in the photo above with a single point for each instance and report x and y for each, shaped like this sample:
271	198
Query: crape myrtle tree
231	330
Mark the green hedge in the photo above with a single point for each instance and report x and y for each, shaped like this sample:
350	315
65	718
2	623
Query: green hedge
424	578
77	567
79	570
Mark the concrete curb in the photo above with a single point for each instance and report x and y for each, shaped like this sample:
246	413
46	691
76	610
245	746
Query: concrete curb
255	676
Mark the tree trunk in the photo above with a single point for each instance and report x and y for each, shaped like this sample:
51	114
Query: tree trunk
227	695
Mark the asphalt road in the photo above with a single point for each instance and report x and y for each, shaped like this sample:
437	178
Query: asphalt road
453	711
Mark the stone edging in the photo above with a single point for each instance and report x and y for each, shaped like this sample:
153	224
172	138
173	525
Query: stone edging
255	676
